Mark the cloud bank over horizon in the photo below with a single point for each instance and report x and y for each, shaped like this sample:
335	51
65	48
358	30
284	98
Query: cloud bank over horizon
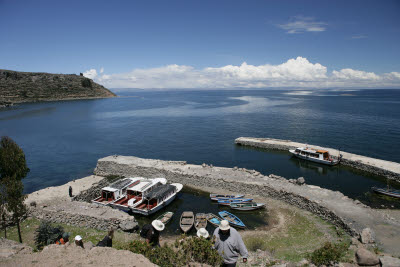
298	72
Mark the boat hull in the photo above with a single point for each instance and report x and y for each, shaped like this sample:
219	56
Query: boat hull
258	206
236	222
386	192
155	209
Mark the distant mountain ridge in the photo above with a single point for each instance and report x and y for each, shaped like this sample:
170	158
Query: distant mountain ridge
18	87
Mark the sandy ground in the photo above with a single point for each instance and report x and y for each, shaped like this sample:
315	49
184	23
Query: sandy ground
14	254
61	192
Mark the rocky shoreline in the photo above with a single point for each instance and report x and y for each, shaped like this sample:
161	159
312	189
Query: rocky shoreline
350	215
390	170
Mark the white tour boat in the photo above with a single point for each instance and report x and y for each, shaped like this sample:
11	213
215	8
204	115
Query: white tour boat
136	191
315	155
115	191
156	199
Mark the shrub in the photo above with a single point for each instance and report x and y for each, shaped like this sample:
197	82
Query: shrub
186	250
47	234
254	243
112	178
328	253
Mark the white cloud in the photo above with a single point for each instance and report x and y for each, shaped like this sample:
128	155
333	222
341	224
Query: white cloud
298	72
300	24
101	70
359	36
91	74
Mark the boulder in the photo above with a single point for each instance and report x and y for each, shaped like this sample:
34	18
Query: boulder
366	258
129	225
387	261
301	181
367	236
88	245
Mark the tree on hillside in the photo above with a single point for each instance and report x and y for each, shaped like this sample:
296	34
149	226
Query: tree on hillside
13	169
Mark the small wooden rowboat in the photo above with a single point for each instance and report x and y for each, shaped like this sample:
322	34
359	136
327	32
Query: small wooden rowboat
232	219
200	221
214	219
246	206
216	197
387	192
187	220
234	201
166	217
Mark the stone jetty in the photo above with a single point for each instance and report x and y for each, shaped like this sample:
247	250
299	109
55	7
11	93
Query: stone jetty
333	206
389	169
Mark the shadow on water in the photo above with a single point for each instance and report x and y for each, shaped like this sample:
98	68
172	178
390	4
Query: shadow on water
199	202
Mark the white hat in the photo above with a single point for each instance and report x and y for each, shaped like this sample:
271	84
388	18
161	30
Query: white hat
159	225
78	238
224	225
202	232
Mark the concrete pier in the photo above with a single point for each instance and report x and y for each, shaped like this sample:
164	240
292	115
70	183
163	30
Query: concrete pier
333	206
385	168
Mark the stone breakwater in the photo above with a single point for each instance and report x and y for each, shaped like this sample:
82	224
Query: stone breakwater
389	169
350	215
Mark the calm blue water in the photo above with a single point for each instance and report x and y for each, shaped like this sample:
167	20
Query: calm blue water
63	140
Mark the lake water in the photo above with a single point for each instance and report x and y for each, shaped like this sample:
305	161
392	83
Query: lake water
63	140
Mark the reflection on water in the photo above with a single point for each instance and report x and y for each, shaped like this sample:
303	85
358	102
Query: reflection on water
243	104
199	202
20	113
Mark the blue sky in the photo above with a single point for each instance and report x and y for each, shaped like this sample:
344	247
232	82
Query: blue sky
135	40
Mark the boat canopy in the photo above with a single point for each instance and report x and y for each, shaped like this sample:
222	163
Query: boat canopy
121	184
160	191
322	151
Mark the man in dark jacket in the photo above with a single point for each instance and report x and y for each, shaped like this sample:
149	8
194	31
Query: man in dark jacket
153	234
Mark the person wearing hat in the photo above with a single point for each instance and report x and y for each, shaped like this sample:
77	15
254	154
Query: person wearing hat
229	244
202	232
78	241
153	232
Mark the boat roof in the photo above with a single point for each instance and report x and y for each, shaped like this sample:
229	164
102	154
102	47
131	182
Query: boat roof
120	184
160	191
146	184
313	150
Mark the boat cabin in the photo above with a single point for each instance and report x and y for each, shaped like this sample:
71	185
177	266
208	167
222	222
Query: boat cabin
156	196
114	191
313	153
135	192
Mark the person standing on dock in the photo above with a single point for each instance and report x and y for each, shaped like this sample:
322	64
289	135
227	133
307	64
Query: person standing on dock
70	191
229	244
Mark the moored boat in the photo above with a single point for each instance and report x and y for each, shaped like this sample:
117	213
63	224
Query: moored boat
216	197
315	155
187	221
246	206
230	201
159	197
136	191
387	192
115	191
213	219
165	217
232	219
200	221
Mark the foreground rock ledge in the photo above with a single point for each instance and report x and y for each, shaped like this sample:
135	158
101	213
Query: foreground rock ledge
332	206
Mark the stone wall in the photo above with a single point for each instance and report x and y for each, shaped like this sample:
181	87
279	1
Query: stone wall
79	220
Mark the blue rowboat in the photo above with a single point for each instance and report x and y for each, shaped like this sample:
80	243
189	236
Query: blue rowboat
387	192
230	201
232	219
214	219
216	197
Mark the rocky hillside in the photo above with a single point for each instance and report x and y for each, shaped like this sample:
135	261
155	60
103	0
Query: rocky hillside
17	87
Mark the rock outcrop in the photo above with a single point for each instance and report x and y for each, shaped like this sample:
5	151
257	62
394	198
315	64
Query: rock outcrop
18	87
